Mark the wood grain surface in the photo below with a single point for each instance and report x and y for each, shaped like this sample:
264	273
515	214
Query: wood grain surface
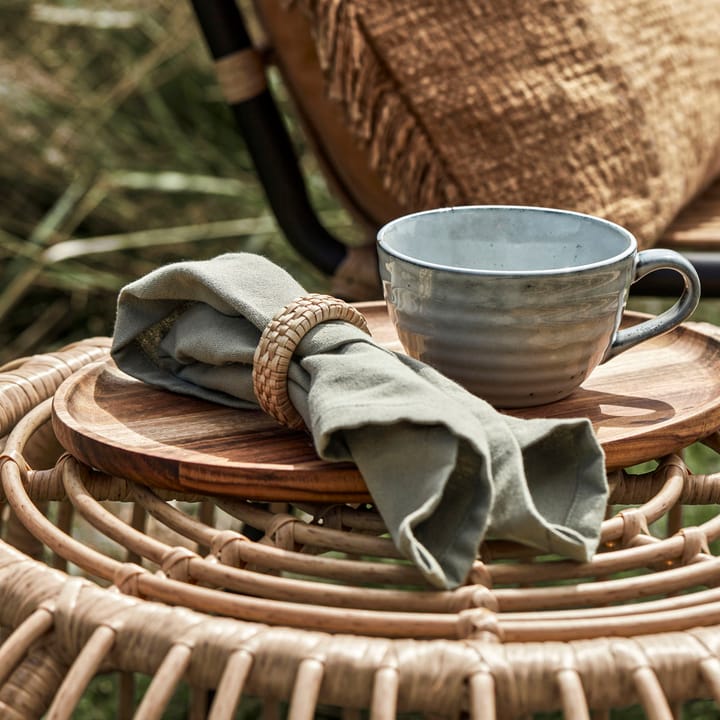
647	402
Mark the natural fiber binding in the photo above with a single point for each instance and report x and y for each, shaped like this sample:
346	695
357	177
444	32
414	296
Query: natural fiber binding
241	75
278	343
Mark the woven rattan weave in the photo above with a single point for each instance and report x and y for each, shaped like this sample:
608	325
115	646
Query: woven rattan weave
100	574
279	341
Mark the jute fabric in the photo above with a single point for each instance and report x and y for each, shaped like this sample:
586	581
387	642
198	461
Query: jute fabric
604	106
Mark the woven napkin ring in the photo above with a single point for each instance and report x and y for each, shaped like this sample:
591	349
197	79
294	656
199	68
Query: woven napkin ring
278	343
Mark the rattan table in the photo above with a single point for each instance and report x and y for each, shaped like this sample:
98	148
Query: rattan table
106	574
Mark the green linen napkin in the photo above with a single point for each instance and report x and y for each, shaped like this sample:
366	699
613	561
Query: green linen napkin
445	469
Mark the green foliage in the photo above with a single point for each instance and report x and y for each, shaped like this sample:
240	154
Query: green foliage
696	710
101	700
119	155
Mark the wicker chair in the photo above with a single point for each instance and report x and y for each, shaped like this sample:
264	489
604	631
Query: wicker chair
287	43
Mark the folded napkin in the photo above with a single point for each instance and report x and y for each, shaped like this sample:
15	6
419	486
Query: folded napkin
445	469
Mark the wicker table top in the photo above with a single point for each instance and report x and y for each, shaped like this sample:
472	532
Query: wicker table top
101	573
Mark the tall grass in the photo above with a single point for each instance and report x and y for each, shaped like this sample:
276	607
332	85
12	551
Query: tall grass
119	154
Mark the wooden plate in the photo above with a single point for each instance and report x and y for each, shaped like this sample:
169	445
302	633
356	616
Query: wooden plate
647	402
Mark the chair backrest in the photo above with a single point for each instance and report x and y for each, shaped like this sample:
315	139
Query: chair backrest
412	106
342	157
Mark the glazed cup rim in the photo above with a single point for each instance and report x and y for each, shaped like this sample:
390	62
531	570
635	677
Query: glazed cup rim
628	251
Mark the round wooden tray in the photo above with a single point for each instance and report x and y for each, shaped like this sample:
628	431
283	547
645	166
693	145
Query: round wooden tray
645	403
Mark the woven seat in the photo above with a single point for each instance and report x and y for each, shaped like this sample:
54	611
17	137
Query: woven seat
321	611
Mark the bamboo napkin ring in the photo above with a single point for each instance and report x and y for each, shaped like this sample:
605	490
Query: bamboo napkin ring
278	342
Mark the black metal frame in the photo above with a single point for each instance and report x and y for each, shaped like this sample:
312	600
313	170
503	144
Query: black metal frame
273	155
269	144
668	283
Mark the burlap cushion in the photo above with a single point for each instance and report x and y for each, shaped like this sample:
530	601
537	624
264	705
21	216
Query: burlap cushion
605	106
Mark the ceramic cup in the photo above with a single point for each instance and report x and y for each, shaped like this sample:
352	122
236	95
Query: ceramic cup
518	304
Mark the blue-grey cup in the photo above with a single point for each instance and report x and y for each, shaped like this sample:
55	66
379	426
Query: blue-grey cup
519	304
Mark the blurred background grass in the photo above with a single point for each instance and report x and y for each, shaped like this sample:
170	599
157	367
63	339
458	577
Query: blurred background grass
119	155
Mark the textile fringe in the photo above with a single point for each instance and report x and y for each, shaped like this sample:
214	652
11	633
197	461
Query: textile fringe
399	149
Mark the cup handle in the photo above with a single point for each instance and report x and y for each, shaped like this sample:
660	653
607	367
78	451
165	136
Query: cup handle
648	261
